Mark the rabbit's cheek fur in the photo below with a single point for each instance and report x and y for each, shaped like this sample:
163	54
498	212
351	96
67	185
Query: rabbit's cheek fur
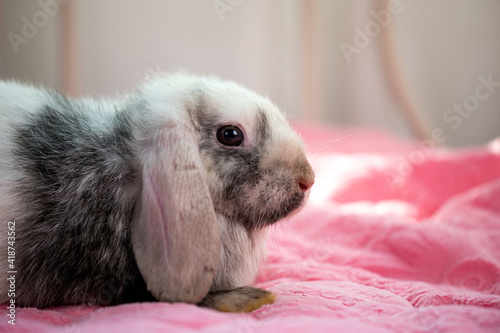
253	191
260	198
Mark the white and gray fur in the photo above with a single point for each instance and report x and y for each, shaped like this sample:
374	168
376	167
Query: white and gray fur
135	200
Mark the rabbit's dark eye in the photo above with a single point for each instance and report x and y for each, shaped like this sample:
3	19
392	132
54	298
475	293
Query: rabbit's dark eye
230	135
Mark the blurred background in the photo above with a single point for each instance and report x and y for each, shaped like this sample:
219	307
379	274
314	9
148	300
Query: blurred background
413	68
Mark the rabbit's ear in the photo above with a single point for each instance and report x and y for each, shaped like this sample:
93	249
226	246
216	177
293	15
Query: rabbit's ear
175	236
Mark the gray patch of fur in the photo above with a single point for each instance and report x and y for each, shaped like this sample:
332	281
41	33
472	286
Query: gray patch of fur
78	190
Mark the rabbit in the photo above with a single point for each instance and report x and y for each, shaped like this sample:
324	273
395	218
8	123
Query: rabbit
162	195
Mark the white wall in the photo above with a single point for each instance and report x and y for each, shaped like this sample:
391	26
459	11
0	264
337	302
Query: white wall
286	49
38	59
445	46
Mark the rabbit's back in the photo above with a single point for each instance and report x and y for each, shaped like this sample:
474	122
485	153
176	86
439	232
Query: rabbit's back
17	103
69	174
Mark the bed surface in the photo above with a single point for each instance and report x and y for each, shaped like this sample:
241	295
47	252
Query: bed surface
396	237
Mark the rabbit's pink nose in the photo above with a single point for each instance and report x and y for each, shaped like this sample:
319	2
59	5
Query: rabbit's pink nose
306	181
306	184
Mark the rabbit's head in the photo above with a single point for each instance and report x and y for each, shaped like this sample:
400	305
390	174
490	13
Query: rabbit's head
208	147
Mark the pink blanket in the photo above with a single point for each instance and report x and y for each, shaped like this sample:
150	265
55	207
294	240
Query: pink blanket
395	238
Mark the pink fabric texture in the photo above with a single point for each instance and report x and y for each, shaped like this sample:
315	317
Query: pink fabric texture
396	237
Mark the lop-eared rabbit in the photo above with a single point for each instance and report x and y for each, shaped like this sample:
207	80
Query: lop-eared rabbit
164	195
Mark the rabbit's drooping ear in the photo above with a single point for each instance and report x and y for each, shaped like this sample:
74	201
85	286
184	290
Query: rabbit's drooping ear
175	236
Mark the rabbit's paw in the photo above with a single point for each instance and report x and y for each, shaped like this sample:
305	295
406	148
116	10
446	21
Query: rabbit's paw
243	299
